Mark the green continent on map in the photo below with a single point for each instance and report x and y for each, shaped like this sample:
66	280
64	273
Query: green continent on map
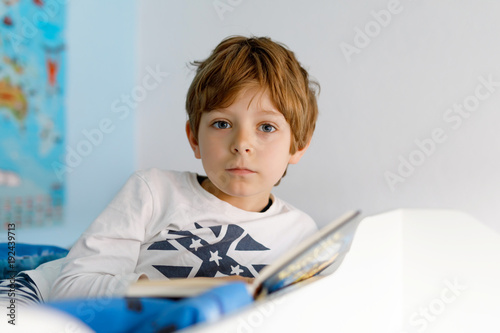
12	98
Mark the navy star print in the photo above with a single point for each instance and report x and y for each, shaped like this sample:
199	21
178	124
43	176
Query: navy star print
214	251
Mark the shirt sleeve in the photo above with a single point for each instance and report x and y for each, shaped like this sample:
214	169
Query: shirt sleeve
103	260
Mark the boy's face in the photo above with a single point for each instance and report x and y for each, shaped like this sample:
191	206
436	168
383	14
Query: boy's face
244	148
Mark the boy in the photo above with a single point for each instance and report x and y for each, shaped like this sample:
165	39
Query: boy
252	111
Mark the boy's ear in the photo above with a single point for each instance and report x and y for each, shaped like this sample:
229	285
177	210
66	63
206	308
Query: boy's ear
193	142
295	158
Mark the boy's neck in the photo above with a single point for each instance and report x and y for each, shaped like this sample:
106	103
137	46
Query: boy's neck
249	204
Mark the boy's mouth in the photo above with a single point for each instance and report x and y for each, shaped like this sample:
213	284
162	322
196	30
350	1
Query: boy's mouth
240	171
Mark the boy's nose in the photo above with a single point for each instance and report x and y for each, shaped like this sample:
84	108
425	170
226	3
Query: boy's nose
242	143
242	147
237	150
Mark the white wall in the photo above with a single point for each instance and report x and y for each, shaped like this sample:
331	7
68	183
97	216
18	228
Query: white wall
374	104
101	58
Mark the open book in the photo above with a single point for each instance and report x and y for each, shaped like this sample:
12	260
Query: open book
325	248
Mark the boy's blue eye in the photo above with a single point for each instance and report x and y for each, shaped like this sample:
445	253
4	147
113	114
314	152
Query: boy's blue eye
267	128
221	124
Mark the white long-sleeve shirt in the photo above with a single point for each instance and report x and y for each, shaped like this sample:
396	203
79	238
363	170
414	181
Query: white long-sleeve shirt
163	224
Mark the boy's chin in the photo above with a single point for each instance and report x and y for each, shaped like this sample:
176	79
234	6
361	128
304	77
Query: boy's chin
250	193
239	187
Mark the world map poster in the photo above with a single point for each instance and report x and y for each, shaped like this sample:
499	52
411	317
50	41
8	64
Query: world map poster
32	121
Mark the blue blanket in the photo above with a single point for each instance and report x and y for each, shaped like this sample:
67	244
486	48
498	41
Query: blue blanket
145	315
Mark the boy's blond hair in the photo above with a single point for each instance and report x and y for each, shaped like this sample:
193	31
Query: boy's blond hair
239	62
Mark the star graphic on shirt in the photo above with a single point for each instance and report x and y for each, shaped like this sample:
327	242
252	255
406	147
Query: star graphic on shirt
196	243
236	270
210	251
214	256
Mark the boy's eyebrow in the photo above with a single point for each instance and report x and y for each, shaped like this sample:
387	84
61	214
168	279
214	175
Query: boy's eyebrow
269	112
272	112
